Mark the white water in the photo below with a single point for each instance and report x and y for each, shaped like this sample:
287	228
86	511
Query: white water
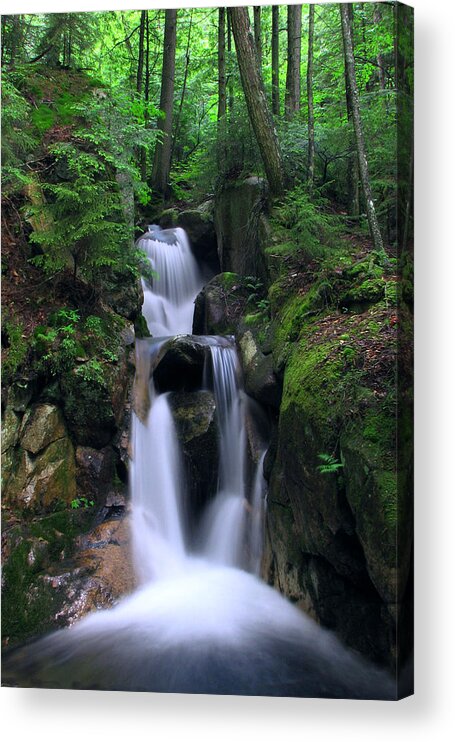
197	623
168	301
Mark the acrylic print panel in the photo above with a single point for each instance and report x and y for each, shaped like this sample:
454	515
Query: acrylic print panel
207	362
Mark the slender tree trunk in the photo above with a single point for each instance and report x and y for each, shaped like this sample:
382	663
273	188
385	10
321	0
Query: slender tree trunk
221	63
162	160
357	121
253	88
185	80
377	18
140	61
275	60
309	85
221	148
292	99
257	33
353	160
146	90
230	79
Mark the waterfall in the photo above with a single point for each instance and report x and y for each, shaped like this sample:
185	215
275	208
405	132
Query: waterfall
174	284
200	621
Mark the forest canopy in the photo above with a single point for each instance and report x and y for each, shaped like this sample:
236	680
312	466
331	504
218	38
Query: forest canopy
173	107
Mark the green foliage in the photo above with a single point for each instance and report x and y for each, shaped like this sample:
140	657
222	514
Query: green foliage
18	140
311	225
70	342
81	502
16	348
330	464
82	219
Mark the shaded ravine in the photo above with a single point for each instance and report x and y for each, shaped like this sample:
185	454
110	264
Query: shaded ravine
201	620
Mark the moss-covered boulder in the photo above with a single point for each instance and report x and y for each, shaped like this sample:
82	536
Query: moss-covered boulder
94	400
53	576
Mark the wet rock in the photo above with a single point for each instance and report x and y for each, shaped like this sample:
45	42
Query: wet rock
52	575
125	298
42	424
95	471
196	424
180	365
94	410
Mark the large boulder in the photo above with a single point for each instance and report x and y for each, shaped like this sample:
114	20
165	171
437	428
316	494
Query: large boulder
241	226
199	226
339	528
180	364
220	305
259	377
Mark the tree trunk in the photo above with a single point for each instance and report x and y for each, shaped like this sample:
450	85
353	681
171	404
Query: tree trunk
221	143
292	99
353	160
357	121
309	85
253	88
221	63
230	78
377	18
275	60
185	80
162	160
140	61
257	33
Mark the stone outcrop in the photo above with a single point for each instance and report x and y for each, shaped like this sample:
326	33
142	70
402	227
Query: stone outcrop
241	226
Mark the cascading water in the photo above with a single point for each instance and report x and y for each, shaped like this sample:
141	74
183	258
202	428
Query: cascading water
198	623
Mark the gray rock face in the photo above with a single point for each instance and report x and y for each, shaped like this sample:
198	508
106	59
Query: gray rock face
42	424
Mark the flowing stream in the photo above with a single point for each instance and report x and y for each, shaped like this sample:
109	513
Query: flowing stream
201	619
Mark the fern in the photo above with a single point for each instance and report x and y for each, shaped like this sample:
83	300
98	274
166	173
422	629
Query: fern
330	465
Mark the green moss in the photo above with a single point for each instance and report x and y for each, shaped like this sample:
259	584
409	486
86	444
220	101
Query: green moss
370	290
313	381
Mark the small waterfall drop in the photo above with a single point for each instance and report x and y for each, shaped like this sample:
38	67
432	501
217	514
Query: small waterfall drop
175	283
197	623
